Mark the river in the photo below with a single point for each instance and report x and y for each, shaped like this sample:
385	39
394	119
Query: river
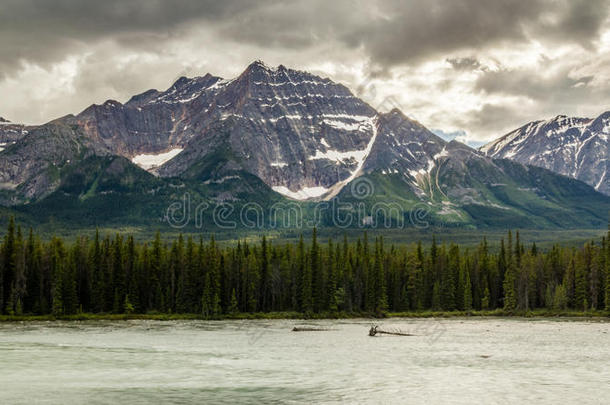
481	360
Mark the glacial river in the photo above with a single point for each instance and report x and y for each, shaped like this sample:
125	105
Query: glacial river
467	361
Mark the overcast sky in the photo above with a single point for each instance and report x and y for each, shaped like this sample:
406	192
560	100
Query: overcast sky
470	67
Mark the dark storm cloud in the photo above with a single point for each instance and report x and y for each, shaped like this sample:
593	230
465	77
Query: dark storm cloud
392	31
41	31
58	56
524	83
395	32
491	117
576	20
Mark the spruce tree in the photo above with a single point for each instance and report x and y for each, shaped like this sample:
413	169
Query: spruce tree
306	283
468	293
316	273
412	269
332	278
436	296
265	276
7	271
448	282
580	283
510	277
206	305
57	268
379	281
233	306
607	297
486	299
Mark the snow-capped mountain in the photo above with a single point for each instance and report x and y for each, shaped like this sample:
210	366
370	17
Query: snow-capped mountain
574	147
301	134
275	129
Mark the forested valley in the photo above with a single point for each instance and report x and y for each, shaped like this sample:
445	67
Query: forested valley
190	275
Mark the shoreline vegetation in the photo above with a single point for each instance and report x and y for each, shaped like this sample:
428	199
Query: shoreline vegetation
115	277
498	313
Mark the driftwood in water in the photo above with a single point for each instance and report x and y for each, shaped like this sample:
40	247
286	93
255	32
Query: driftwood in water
305	329
375	331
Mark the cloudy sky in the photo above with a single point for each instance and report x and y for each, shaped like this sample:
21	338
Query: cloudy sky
471	68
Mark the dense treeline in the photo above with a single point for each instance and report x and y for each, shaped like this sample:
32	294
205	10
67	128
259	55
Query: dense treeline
118	275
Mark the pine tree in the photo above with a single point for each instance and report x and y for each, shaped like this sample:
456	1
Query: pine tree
379	281
332	278
317	274
207	298
306	283
436	296
468	293
265	277
510	293
118	275
132	296
58	276
501	266
486	299
233	306
448	282
580	283
129	308
518	250
560	299
7	271
413	276
607	297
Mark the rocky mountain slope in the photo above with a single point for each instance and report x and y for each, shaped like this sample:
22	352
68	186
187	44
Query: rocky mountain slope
10	133
574	147
267	131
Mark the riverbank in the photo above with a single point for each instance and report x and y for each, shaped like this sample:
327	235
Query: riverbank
538	313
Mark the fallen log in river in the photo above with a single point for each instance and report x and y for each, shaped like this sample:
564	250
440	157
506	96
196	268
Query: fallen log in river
376	331
306	329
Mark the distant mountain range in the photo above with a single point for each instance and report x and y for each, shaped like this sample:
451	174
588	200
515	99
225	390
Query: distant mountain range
277	134
574	147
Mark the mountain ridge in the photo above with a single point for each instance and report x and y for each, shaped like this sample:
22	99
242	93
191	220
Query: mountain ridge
571	146
278	130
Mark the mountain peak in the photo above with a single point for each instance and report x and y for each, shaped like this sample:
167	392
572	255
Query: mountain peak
602	123
258	65
182	80
395	114
572	146
604	116
112	104
3	120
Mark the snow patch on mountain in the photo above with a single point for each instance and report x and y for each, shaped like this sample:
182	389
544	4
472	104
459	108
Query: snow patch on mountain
338	157
372	122
441	154
353	126
305	193
149	162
